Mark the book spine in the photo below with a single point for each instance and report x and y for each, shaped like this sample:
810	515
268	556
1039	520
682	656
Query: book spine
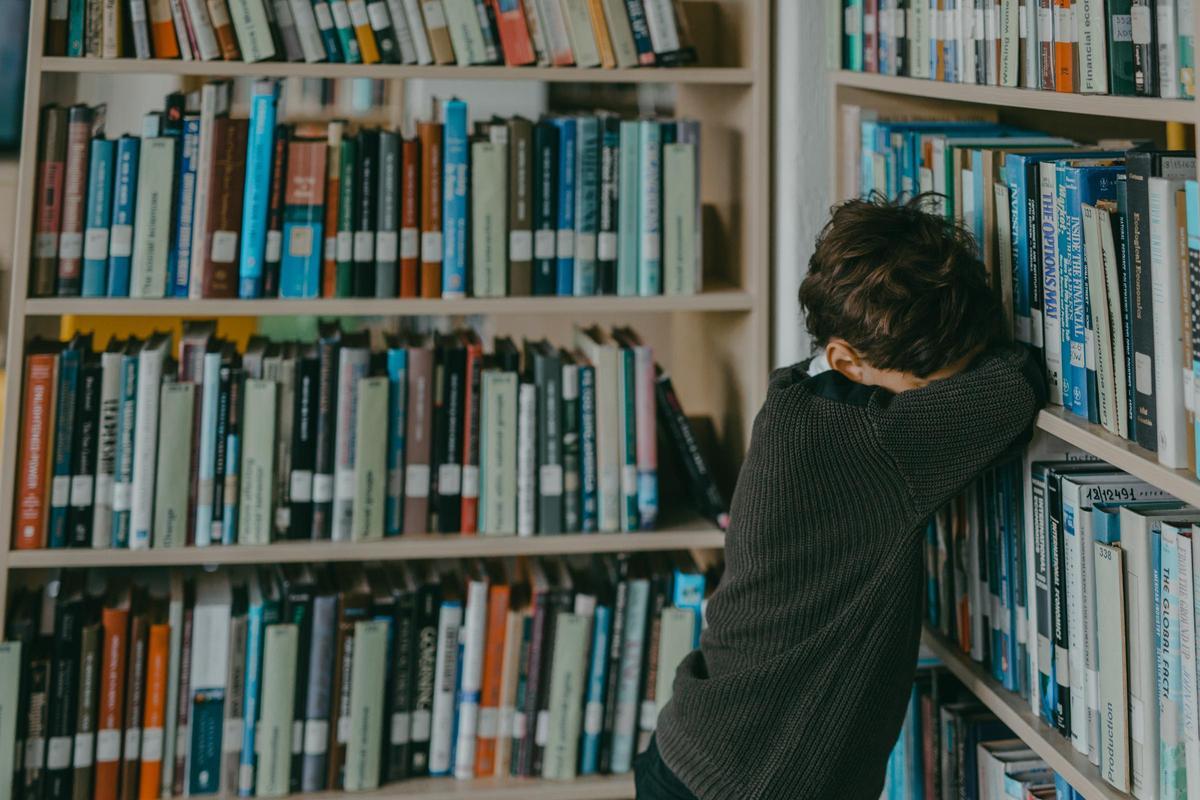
1173	776
588	498
1170	421
446	472
587	205
1120	47
628	191
641	33
554	26
352	367
1052	295
488	195
466	34
273	251
60	722
112	28
284	25
98	218
150	773
514	33
626	699
70	247
366	712
49	202
410	218
309	31
64	425
445	680
1167	37
455	185
488	726
1138	189
174	461
544	216
280	649
1071	278
151	231
201	29
597	681
649	208
360	18
406	47
185	204
123	460
387	241
206	466
257	188
179	22
572	501
607	240
333	169
303	216
145	441
520	173
347	38
84	741
323	16
1145	47
470	678
627	450
472	379
109	734
565	206
604	43
567	680
526	459
255	509
348	206
498	447
583	44
223	28
548	378
416	24
370	459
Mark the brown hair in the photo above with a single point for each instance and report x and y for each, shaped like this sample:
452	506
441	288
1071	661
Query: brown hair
903	286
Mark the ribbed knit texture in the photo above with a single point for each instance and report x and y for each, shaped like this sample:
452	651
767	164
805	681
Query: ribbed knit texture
803	675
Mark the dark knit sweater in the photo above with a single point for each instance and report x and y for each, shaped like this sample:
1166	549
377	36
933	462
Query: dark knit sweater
803	675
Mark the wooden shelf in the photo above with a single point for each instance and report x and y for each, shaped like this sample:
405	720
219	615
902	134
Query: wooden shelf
605	787
1132	458
284	69
1136	108
1014	711
687	536
715	299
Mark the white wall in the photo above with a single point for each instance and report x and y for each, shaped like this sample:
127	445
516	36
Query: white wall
800	166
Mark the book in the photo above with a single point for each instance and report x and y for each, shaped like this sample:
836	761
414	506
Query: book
303	219
151	234
366	691
489	185
455	161
207	678
370	459
260	146
255	503
150	368
176	407
430	136
80	122
98	218
279	661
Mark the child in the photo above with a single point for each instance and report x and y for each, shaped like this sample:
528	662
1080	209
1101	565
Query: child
804	672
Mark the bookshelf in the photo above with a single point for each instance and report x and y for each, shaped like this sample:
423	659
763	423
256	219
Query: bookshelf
1168	122
713	344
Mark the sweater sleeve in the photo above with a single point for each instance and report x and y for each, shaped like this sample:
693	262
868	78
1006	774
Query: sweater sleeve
942	435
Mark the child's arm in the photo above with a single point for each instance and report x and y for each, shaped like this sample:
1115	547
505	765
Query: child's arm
942	435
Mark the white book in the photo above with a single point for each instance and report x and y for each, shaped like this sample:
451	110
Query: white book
918	39
370	463
1010	43
179	20
279	645
680	213
1093	47
174	661
1114	676
106	451
450	619
214	102
489	214
605	357
526	459
201	27
353	363
1187	652
1171	423
474	631
10	679
620	33
255	507
404	34
552	22
465	33
172	484
206	468
366	704
579	33
145	441
416	24
211	623
568	675
1168	49
1112	290
497	453
309	34
152	229
1029	24
1101	324
660	19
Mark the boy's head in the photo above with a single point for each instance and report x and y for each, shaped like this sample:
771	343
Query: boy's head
896	296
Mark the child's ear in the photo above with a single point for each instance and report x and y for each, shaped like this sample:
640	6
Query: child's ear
843	358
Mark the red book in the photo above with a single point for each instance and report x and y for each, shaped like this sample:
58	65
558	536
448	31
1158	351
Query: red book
410	218
109	728
51	167
70	243
470	470
225	207
514	34
37	443
430	134
274	250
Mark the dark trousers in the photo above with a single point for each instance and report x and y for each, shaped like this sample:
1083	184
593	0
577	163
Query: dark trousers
653	780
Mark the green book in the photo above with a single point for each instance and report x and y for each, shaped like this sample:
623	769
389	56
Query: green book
489	211
366	704
567	678
10	677
176	406
370	459
498	453
628	175
258	463
676	634
274	742
681	267
346	224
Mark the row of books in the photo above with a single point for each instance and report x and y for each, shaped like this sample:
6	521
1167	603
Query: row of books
1083	601
1095	250
206	205
138	447
951	746
260	682
1118	47
561	33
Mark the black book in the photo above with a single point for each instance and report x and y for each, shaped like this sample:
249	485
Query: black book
1058	599
387	221
448	431
572	499
505	354
87	700
225	390
328	346
354	605
900	51
22	627
472	421
547	377
543	602
297	588
560	601
1120	225
424	649
619	577
368	196
545	222
63	690
318	700
273	254
1140	166
680	440
1033	245
402	679
33	776
606	238
385	32
660	592
304	452
83	455
65	421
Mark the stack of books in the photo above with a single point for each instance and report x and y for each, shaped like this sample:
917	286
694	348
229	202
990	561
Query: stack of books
145	446
561	33
205	205
951	746
1119	47
1095	250
1083	601
259	682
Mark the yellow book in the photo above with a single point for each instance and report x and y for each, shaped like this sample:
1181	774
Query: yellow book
362	31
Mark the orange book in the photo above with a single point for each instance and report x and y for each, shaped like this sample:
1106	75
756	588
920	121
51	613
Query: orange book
109	727
154	719
430	134
362	31
608	59
1064	46
218	12
410	218
489	693
37	444
163	42
333	160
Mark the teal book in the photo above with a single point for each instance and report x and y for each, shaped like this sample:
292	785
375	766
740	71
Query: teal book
397	373
456	156
123	459
627	210
98	217
649	208
587	203
567	178
627	416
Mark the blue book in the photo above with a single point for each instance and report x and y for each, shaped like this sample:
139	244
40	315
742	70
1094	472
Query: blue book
69	363
589	757
1172	765
303	221
262	610
587	204
589	507
256	197
123	458
1096	183
649	208
185	206
565	241
98	217
688	593
124	205
1192	193
627	210
456	182
207	459
233	462
1071	280
397	372
76	21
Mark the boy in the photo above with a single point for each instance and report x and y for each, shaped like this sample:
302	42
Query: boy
804	672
